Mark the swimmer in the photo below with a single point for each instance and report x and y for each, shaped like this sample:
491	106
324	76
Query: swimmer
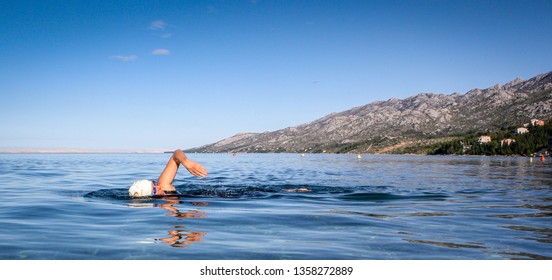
163	185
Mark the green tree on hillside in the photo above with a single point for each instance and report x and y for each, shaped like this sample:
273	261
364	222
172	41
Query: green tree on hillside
525	144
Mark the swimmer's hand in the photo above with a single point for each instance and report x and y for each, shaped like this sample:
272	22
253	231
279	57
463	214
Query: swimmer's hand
195	168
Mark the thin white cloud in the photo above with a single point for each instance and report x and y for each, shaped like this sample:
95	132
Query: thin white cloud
124	57
159	29
157	25
160	52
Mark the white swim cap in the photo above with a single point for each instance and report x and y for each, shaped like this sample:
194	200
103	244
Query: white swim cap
141	188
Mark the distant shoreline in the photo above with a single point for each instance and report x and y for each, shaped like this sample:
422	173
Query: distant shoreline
77	151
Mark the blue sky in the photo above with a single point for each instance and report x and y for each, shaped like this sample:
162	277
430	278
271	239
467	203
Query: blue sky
180	74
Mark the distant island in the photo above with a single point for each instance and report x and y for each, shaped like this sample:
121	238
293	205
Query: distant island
427	123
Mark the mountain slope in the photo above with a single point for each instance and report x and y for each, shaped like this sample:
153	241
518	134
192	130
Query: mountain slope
381	126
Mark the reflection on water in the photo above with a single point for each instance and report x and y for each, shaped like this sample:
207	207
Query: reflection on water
169	205
178	235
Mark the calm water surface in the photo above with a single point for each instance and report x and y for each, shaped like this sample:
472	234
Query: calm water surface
75	206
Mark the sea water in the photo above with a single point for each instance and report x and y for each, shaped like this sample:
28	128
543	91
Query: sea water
277	206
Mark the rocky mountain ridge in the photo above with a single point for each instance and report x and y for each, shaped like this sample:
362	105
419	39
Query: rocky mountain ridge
383	126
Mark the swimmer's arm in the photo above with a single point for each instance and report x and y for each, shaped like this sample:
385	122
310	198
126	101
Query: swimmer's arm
193	167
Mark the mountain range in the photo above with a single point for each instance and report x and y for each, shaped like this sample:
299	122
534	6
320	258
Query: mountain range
399	125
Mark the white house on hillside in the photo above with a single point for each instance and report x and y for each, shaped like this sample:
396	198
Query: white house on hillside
507	142
534	122
484	139
522	130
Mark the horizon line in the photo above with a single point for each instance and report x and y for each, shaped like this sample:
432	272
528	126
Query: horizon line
82	151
